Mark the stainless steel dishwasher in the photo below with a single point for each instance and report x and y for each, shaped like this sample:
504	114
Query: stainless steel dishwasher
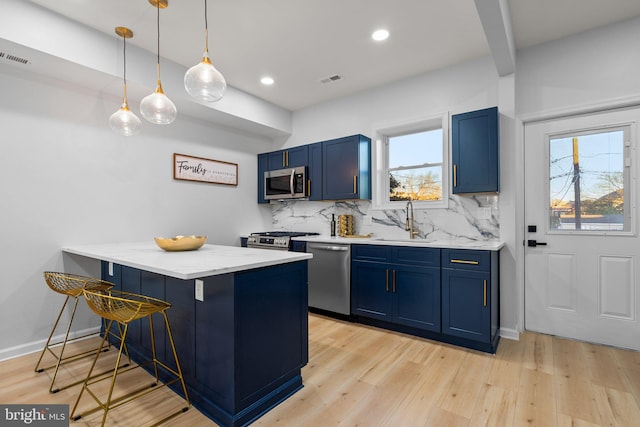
330	277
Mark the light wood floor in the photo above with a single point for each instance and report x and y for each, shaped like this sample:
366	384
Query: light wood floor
361	376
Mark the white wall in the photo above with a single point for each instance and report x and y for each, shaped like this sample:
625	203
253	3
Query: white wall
581	71
68	179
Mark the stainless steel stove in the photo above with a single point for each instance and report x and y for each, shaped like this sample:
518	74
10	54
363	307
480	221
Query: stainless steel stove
280	240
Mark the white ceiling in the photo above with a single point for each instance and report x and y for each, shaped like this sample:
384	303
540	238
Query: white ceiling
300	42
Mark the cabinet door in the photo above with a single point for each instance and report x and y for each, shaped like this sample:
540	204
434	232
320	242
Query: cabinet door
314	184
346	166
417	297
289	158
371	290
474	148
466	304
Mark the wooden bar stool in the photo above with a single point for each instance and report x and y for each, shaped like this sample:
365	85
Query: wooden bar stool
70	285
123	308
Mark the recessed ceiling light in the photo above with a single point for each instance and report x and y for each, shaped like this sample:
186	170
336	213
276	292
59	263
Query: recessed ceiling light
268	81
380	35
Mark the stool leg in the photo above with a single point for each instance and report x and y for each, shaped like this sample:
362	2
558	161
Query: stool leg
175	357
153	348
64	343
115	374
53	330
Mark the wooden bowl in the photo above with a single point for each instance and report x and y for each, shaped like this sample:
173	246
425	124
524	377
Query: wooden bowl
180	243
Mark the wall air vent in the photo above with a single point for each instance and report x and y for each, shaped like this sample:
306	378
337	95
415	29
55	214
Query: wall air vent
8	56
331	79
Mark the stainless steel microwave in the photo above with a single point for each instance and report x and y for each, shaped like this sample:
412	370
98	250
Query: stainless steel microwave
288	183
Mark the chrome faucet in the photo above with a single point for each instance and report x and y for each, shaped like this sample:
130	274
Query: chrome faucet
409	223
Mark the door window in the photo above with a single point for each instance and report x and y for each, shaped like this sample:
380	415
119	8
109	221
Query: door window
589	175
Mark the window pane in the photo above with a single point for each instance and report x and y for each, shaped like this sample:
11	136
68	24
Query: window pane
587	182
416	184
415	149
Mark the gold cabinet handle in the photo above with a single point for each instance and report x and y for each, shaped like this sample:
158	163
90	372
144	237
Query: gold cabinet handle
455	175
308	188
283	161
485	293
462	261
394	281
355	184
286	157
387	284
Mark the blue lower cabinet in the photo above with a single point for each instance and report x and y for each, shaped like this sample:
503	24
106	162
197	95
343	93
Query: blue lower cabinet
449	295
396	291
241	348
470	297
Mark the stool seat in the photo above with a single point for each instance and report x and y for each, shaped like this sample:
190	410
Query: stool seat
72	286
124	308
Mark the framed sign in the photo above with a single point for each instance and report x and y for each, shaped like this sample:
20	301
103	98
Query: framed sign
191	168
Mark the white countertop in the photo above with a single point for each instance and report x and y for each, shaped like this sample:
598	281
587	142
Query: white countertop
209	260
490	245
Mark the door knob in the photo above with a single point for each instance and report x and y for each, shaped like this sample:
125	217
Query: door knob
534	243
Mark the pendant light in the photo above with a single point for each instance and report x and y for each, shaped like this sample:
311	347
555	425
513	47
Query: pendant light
124	121
157	107
203	81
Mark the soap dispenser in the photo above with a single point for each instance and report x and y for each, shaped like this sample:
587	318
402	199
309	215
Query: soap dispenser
333	224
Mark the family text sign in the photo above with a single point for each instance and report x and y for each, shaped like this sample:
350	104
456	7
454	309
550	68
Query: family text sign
191	168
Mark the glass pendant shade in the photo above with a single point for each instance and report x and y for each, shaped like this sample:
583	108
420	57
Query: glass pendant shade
204	82
125	122
158	108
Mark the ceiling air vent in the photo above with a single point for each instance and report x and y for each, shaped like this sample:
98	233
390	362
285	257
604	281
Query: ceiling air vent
13	58
331	79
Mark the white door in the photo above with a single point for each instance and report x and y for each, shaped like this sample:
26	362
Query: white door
582	248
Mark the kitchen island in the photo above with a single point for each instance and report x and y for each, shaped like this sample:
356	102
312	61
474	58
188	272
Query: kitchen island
238	318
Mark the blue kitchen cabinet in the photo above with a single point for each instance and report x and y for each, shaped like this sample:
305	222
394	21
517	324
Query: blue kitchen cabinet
475	152
241	348
314	182
470	296
399	285
346	168
288	158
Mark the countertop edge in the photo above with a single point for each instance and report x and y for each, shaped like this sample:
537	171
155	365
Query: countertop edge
95	252
490	245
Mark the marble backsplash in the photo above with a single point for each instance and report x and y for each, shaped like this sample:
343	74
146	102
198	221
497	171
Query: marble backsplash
467	217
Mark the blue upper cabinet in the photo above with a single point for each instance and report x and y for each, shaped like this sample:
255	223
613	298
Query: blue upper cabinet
263	166
289	158
346	168
475	152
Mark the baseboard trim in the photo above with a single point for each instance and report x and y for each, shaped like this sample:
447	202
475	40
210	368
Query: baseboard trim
510	334
32	347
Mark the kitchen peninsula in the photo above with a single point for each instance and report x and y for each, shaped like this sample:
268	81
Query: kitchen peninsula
238	318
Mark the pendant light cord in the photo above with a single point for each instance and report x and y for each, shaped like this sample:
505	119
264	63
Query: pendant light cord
124	72
206	29
158	27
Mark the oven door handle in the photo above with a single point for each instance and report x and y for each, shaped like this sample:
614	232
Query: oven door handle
330	248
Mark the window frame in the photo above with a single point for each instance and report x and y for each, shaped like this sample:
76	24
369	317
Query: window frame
381	160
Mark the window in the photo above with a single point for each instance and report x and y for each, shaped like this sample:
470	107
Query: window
415	166
411	164
588	181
